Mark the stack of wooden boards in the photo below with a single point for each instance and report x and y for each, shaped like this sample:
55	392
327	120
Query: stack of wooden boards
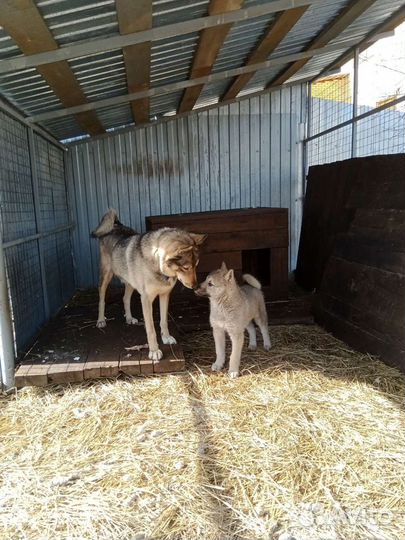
252	240
352	251
98	363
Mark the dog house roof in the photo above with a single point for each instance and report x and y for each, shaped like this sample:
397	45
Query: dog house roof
70	65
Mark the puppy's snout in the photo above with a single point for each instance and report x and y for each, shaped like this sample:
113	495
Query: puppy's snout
200	291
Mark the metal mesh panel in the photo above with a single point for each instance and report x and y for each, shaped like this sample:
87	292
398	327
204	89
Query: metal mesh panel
51	185
58	268
54	213
65	263
332	100
16	196
382	133
23	217
334	146
27	304
381	83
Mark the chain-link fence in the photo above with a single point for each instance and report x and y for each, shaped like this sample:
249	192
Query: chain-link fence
360	111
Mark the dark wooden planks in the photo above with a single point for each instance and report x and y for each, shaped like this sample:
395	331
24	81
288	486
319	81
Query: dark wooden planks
248	240
338	193
71	349
224	221
361	296
361	339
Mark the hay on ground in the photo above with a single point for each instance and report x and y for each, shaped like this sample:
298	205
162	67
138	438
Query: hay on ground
307	443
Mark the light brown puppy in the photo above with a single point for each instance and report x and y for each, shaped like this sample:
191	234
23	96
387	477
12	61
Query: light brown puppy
233	309
151	263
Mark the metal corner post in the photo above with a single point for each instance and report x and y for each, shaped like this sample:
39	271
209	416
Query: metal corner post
308	130
7	353
355	101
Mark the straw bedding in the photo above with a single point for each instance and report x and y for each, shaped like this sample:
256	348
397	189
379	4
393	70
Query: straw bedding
306	444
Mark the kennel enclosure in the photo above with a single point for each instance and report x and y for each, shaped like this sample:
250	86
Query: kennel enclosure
182	107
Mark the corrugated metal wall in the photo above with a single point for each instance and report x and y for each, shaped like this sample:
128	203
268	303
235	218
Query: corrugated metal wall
35	219
246	154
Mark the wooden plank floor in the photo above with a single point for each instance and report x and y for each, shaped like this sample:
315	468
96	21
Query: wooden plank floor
71	349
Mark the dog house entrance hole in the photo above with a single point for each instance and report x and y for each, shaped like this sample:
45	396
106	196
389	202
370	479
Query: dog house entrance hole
257	263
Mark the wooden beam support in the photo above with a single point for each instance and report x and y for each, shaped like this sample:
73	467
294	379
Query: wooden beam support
210	43
181	85
24	23
136	17
276	33
346	17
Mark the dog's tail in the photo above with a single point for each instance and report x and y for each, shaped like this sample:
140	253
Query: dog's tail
106	224
252	281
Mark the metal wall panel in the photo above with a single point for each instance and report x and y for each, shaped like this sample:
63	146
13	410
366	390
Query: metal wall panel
22	220
241	155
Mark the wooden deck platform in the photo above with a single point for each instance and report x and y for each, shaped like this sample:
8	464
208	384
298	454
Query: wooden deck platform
71	349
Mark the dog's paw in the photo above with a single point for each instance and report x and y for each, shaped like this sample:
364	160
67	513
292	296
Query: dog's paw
168	340
252	347
216	367
131	320
102	323
267	346
155	355
234	374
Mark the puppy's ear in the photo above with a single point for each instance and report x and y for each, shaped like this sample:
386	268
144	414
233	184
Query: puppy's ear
229	275
223	266
198	238
183	250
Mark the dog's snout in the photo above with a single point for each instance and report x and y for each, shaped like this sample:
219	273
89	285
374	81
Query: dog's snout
200	291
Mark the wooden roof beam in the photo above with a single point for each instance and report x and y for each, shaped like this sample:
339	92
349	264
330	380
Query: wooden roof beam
24	23
346	17
181	85
275	34
136	17
209	45
387	26
168	31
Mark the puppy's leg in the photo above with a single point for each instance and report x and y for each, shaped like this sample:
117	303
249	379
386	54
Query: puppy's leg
219	338
127	304
262	323
234	362
106	277
164	307
252	336
155	353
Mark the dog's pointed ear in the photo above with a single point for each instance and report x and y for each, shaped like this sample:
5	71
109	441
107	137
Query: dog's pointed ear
229	275
198	238
183	250
223	266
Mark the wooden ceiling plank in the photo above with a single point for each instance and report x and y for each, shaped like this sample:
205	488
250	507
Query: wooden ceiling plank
346	17
136	17
209	45
284	22
24	23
